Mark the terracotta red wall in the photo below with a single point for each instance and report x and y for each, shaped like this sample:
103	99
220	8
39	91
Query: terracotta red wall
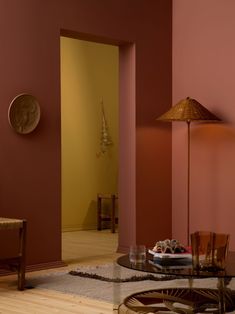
30	165
204	68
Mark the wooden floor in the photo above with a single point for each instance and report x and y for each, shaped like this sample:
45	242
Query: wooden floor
78	248
89	247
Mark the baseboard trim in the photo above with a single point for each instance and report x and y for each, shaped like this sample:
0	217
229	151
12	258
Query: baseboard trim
75	228
43	266
35	267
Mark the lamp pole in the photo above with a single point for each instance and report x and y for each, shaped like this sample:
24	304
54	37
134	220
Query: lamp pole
188	186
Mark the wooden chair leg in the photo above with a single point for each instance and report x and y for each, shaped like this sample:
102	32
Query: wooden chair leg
99	213
113	215
22	249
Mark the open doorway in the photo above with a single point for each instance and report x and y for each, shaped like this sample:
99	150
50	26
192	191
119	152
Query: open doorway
89	95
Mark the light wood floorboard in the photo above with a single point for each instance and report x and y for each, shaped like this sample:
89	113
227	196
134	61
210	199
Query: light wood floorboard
78	248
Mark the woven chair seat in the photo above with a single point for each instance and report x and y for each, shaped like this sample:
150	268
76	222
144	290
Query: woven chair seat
10	223
16	262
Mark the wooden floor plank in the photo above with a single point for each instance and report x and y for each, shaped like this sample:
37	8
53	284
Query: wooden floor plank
40	299
81	248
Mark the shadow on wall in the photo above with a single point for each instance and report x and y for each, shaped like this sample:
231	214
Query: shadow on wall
215	133
216	143
213	177
91	216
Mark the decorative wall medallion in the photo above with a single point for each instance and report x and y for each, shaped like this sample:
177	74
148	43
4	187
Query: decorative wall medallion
24	113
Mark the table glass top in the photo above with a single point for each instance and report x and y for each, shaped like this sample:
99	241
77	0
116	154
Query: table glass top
150	267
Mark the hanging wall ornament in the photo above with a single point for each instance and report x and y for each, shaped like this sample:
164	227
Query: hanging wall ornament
106	140
24	113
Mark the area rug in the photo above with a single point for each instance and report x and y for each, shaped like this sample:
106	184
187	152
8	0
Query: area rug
108	274
112	291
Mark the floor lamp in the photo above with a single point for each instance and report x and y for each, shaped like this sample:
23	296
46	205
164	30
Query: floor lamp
188	110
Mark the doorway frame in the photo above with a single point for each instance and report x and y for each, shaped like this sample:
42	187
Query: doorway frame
127	135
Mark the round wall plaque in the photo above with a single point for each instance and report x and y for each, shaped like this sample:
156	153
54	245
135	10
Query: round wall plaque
24	113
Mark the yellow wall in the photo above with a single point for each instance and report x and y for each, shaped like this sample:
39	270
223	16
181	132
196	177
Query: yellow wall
89	73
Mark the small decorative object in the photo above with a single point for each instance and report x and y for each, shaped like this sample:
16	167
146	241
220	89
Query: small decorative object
171	254
209	250
105	137
169	246
24	113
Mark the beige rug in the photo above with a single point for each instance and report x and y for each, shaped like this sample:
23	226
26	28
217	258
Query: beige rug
108	291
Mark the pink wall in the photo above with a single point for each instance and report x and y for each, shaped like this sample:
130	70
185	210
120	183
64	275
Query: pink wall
204	69
127	229
30	165
153	139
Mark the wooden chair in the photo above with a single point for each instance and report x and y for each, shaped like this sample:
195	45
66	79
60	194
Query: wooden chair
113	220
16	262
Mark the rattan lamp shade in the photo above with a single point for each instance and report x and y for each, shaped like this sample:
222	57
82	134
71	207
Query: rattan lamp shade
188	109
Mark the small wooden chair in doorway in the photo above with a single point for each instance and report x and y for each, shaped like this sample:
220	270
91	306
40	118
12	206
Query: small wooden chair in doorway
111	217
16	262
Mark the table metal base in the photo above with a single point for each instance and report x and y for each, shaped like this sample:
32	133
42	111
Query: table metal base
182	300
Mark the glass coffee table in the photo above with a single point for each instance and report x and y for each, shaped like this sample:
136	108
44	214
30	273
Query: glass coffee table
183	300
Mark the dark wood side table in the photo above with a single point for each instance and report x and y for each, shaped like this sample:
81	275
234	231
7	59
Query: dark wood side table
16	262
113	220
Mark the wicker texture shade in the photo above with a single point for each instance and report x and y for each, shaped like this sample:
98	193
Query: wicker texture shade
188	109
